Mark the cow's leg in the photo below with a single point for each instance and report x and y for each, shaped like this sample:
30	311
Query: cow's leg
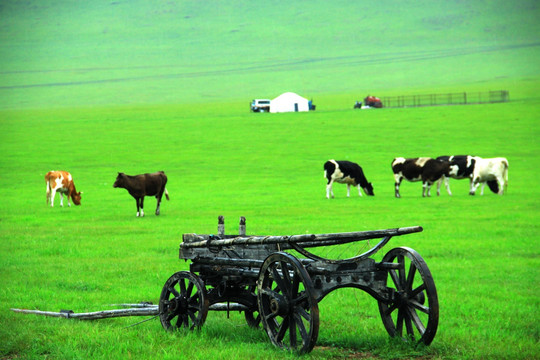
158	198
482	188
329	190
348	190
141	202
67	198
140	211
398	180
61	199
51	195
447	185
359	192
474	186
426	188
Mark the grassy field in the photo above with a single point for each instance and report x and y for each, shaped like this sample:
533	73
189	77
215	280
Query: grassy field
143	88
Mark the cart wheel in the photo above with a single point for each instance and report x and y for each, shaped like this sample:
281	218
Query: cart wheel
253	318
408	305
179	301
287	305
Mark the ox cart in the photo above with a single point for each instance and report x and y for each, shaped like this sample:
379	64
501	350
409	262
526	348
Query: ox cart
281	292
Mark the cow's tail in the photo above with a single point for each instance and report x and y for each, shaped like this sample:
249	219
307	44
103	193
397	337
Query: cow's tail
166	194
505	174
48	181
494	184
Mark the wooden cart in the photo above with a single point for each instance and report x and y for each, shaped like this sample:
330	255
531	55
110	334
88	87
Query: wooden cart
256	275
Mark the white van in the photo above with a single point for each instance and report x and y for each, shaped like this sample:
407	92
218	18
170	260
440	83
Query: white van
260	105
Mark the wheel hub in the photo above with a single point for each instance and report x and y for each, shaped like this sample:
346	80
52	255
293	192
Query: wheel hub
401	297
279	305
178	305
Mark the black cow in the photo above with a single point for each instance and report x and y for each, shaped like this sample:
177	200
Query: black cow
143	185
426	169
346	172
465	169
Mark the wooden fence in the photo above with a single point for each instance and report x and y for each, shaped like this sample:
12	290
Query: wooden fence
463	98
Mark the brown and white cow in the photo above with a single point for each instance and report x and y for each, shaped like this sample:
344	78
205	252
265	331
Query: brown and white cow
423	169
143	185
62	182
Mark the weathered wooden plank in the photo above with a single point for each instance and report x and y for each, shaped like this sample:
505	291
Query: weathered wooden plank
313	240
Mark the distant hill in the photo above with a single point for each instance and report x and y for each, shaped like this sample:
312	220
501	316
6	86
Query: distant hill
119	52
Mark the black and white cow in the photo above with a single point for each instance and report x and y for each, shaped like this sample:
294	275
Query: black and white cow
423	169
346	172
143	185
465	168
494	171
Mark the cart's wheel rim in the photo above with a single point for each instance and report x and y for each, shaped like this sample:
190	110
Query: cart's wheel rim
287	305
183	303
406	313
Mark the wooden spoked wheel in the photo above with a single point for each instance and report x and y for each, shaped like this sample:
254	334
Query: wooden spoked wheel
412	312
183	303
287	305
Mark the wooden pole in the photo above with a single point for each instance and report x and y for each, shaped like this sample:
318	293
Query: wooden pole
221	225
141	310
105	314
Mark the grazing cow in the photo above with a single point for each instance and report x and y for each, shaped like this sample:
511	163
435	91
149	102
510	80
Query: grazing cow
346	172
426	169
143	185
465	164
493	171
62	182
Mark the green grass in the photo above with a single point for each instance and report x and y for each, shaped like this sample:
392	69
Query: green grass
268	168
142	88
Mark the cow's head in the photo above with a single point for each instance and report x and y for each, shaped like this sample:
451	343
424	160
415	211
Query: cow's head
369	189
76	197
120	180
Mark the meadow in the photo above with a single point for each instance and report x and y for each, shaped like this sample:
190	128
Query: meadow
122	94
268	168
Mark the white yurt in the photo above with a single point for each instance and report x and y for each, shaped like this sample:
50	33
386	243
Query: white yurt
289	102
